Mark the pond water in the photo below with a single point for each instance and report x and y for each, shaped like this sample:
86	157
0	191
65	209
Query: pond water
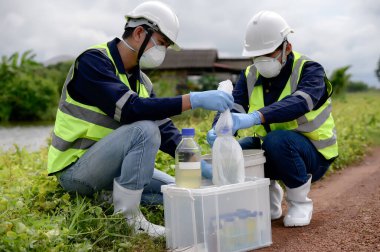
31	137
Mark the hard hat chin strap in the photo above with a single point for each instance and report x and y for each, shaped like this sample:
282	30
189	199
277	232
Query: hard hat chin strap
149	33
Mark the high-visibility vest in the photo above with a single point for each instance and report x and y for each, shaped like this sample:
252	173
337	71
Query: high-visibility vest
78	126
317	125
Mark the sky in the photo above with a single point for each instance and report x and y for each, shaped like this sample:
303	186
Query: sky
335	33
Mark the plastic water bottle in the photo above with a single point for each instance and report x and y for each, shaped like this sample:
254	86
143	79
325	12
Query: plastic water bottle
188	161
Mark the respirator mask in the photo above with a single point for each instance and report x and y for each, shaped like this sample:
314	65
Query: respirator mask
270	67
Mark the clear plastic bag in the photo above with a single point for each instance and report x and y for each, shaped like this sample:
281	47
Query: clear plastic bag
227	155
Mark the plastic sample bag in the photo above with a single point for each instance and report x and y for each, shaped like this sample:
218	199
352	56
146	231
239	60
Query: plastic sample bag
227	155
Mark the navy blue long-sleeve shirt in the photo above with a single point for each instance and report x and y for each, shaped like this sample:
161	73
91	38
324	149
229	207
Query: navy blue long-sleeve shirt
95	83
292	106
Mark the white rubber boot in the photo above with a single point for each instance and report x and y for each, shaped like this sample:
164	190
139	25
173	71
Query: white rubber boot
127	202
275	195
300	207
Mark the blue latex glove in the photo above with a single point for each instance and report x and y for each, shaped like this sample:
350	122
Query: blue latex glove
211	136
206	169
211	100
243	121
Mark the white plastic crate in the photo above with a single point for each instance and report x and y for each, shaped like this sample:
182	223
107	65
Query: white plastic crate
229	218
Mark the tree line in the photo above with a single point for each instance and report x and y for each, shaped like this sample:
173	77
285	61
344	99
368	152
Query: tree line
30	91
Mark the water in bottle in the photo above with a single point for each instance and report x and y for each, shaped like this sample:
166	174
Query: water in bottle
188	161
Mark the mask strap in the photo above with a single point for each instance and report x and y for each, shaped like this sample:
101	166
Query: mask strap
283	60
145	42
127	45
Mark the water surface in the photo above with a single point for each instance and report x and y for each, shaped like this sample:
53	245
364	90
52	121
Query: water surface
31	137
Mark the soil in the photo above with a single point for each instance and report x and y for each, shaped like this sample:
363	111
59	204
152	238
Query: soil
346	214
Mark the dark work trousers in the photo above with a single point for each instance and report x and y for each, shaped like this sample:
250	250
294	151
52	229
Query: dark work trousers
290	157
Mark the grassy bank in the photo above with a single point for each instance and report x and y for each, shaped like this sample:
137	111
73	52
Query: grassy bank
37	215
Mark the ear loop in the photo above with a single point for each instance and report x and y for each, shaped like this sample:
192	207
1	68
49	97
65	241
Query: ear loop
283	59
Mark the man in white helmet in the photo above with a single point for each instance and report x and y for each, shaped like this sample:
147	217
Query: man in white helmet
285	98
110	125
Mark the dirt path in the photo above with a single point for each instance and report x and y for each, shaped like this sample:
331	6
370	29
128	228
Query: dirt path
346	213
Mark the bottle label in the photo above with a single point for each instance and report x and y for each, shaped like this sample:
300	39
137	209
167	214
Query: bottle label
189	165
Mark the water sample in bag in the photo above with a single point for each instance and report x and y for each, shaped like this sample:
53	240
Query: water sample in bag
227	155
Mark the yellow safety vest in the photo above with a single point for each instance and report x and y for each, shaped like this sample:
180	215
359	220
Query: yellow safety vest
78	126
317	125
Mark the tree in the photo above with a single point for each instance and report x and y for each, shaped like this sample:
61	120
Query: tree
377	71
340	80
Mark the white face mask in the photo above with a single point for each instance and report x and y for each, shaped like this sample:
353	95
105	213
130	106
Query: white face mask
154	56
267	66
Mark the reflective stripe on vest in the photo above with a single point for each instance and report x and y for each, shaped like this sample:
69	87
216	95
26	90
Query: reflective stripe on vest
78	126
317	125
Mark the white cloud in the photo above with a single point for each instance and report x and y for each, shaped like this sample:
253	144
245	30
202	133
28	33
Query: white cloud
335	33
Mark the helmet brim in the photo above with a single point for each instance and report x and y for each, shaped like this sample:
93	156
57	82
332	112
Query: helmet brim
141	20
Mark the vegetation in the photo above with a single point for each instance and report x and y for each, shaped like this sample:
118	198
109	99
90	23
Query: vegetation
24	92
340	80
357	86
37	215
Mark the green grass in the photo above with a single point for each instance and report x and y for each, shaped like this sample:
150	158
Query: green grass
37	215
357	119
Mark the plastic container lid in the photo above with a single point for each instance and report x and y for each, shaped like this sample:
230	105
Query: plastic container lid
188	132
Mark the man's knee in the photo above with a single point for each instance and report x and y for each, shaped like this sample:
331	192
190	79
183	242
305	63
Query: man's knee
275	140
150	130
146	131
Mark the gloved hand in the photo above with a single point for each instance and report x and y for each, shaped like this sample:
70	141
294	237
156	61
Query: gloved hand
211	100
206	169
211	136
243	121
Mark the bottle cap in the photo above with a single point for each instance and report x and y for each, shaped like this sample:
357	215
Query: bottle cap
188	132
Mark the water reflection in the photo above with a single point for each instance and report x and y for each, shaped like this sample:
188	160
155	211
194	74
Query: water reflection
31	137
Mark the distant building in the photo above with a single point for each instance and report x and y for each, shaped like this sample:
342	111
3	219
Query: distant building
189	65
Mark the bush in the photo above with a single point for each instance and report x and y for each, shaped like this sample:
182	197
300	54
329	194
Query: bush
25	92
357	86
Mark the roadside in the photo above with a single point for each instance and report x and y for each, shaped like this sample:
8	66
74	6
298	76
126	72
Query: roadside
346	213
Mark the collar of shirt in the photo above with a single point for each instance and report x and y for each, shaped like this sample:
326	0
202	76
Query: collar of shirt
112	46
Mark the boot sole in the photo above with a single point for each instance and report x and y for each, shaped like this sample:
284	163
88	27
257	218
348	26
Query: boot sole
297	223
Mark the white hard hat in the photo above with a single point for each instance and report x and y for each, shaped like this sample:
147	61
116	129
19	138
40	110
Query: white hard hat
265	32
160	15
